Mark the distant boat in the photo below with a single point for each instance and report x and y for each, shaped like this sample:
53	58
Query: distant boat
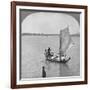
65	44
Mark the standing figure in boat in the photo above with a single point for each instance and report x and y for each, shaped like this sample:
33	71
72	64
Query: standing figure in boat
48	53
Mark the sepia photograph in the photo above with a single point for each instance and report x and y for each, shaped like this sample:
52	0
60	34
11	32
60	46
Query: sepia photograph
49	44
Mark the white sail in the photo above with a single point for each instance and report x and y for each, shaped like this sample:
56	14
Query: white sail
65	40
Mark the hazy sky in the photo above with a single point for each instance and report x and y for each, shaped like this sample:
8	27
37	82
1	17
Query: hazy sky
49	23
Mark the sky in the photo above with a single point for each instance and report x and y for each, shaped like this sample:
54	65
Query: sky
49	23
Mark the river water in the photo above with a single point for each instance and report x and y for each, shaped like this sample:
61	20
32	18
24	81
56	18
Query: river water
33	59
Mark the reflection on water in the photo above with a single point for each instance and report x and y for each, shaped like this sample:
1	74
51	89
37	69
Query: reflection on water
61	69
57	69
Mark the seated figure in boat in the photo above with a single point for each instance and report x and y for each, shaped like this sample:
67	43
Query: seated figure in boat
63	57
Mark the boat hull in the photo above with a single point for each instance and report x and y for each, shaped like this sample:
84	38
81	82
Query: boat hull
56	61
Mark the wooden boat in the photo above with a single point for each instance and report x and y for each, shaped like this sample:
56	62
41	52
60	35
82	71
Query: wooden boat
65	44
56	61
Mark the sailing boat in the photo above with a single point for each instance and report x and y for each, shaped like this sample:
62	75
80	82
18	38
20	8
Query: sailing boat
65	44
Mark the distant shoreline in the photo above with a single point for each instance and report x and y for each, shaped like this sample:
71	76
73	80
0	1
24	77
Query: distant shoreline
34	34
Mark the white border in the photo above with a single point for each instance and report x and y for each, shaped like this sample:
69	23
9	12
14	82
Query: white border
51	80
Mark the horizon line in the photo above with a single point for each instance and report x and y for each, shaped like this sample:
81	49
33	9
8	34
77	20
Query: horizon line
42	34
